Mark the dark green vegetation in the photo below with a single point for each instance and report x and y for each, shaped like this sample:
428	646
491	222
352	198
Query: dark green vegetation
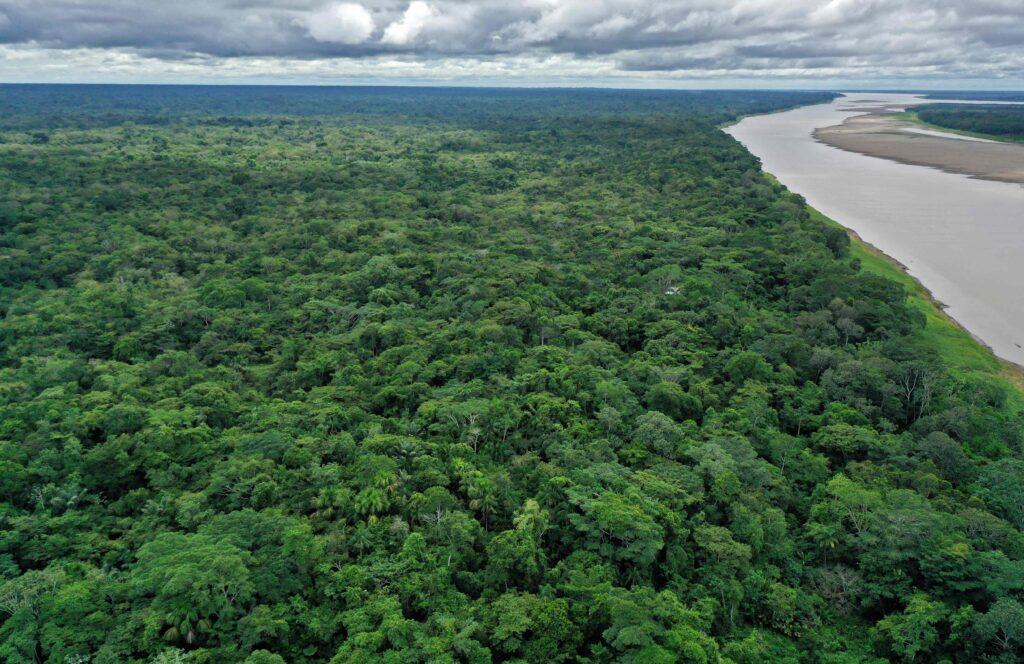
990	95
1001	122
552	378
30	107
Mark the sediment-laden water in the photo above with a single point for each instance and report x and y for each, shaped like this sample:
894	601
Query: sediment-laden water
963	238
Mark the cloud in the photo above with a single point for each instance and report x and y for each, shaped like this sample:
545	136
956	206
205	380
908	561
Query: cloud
612	25
854	39
342	23
413	21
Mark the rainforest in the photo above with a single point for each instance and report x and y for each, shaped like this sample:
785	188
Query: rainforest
465	376
994	122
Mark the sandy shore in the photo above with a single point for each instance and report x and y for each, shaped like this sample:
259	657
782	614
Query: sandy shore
882	135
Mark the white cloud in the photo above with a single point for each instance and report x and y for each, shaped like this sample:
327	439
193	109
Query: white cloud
611	26
341	23
407	28
856	39
31	63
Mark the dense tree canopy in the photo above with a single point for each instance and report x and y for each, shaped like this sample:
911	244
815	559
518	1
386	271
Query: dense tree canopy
1004	122
506	377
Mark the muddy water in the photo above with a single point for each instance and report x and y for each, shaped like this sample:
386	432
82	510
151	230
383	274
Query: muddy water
962	238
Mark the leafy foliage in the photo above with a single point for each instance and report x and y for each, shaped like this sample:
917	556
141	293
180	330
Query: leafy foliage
489	376
1005	122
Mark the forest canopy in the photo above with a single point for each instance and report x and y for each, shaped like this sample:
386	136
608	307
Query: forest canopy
1003	122
381	375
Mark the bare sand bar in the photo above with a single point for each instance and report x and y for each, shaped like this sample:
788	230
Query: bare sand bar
882	135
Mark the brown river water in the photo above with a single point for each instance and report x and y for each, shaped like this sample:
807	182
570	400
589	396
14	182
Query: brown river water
962	238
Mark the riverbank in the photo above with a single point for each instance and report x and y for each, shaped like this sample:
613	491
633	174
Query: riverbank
959	236
885	136
743	116
958	348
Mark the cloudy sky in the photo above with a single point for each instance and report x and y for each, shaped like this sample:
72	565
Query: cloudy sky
655	43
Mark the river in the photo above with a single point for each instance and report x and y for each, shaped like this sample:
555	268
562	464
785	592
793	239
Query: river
962	238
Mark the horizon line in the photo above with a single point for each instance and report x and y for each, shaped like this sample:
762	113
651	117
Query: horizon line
427	85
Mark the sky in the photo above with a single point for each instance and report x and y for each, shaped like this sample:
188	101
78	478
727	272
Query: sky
915	44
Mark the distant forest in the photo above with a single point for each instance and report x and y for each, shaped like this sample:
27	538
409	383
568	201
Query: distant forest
39	106
979	95
1004	122
309	375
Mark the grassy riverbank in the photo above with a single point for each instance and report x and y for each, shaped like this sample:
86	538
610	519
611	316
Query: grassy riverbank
959	349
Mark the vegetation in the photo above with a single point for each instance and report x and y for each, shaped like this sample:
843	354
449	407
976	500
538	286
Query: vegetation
999	122
974	95
537	378
940	333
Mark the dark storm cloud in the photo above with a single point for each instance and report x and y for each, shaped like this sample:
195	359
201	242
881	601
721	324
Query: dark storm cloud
630	35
